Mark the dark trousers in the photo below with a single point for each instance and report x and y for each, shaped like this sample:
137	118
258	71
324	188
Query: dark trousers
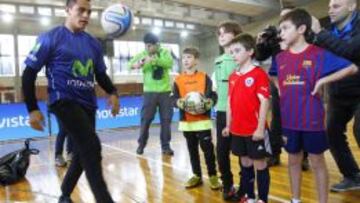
339	112
204	138
223	150
275	133
79	122
152	102
60	139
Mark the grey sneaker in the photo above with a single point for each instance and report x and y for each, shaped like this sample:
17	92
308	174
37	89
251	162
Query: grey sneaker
168	152
345	185
69	157
59	161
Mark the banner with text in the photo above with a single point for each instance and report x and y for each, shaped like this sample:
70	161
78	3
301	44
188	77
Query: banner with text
14	119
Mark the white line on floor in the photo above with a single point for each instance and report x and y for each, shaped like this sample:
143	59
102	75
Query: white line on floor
279	199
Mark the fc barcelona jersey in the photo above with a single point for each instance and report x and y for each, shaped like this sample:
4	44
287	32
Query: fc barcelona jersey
297	75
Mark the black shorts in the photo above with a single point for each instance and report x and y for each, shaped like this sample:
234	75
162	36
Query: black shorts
245	146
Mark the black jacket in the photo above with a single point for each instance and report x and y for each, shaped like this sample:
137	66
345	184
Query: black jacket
265	50
349	49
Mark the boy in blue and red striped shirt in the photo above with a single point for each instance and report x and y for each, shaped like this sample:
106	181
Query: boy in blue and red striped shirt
302	70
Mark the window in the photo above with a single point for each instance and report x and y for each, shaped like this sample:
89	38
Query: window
180	25
158	22
60	12
7	8
25	44
7	55
27	9
169	24
136	20
44	11
190	26
125	50
94	15
146	21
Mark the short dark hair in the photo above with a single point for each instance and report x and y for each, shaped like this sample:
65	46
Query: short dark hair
193	51
70	3
150	38
246	40
290	7
230	26
299	17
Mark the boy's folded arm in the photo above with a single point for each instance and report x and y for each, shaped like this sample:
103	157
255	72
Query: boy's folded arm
338	75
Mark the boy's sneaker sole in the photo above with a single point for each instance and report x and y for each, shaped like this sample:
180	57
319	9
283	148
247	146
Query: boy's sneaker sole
193	186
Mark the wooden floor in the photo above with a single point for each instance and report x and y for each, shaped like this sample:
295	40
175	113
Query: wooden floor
151	177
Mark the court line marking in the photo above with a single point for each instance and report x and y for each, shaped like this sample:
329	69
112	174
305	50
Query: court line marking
279	199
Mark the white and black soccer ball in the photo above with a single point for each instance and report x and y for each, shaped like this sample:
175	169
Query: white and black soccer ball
116	20
194	103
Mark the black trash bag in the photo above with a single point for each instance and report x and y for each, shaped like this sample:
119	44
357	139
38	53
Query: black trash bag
13	166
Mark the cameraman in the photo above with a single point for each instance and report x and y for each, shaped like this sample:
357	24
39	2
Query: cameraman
269	45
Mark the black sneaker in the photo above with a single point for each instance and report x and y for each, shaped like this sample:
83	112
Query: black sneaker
168	152
229	194
65	199
273	161
345	185
140	150
305	166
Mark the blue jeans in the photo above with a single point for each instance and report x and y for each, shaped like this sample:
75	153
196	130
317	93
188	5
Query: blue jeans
60	139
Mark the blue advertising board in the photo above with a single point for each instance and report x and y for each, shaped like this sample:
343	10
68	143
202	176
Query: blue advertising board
14	119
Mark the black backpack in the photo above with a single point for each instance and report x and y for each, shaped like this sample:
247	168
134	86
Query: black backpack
13	166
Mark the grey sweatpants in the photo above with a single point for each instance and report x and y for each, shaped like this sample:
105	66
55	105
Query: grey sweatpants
152	102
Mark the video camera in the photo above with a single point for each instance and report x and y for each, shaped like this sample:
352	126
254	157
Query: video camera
270	36
269	43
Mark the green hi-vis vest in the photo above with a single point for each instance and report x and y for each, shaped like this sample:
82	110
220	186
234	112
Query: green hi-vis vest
224	66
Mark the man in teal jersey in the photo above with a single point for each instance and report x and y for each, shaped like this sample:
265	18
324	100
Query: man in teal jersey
224	66
156	63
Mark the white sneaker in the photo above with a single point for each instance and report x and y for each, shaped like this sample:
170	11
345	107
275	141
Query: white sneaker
59	161
69	157
250	201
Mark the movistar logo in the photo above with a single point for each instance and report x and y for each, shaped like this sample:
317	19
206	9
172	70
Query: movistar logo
79	69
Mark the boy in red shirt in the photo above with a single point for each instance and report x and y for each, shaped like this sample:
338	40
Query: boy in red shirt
246	115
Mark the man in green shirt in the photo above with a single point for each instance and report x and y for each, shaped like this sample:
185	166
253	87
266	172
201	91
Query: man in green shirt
156	63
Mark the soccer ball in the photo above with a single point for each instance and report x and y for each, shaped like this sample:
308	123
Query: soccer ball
194	103
116	20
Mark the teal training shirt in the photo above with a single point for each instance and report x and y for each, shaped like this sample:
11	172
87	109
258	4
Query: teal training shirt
224	66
